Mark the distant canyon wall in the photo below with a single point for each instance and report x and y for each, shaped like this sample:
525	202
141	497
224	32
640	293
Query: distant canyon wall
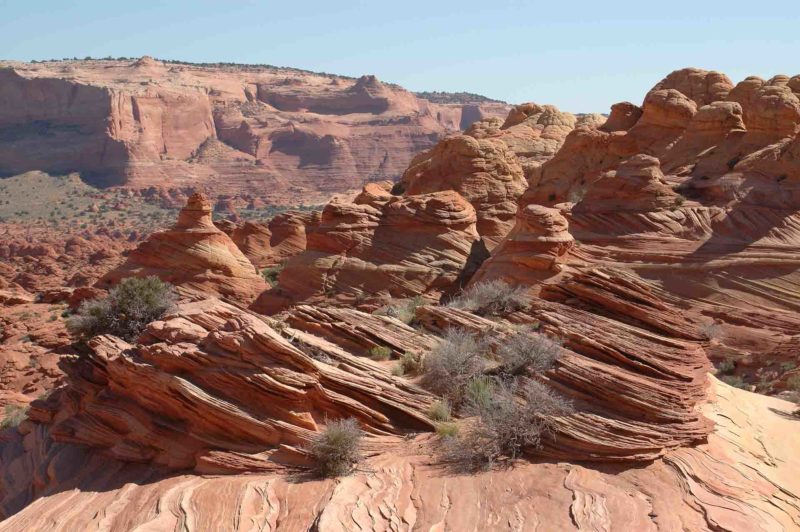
278	134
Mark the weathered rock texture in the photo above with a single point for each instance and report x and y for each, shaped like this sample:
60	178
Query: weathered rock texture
380	245
695	193
282	135
744	478
193	254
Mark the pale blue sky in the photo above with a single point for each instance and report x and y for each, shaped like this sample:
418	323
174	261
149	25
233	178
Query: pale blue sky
581	56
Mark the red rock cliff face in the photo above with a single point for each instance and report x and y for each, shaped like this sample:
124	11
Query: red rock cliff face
276	133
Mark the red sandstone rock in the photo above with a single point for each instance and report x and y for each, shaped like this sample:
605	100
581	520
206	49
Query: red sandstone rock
193	254
273	133
408	246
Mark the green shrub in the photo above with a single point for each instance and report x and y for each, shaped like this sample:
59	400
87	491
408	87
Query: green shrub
336	450
726	366
126	311
479	393
793	383
380	352
14	415
491	298
271	273
440	410
453	363
525	353
733	380
447	430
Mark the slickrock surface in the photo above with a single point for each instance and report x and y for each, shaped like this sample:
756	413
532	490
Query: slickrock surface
281	135
193	254
380	245
744	478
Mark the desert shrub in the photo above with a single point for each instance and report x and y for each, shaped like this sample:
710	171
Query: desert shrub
336	450
126	311
490	298
440	410
409	364
479	392
733	380
447	430
711	331
522	353
516	417
450	365
793	383
405	311
726	366
14	415
271	273
380	352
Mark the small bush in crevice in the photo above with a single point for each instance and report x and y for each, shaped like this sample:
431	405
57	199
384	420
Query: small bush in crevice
337	449
440	410
733	380
405	311
409	364
491	298
14	415
453	363
271	273
126	311
447	430
517	417
726	366
524	353
379	353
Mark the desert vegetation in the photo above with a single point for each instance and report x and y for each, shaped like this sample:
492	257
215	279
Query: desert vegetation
491	298
336	450
13	416
127	309
508	410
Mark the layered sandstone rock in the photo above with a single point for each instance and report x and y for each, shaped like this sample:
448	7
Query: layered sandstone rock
193	254
273	243
381	246
696	192
491	163
282	135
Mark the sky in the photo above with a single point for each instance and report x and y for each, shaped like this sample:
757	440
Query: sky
580	56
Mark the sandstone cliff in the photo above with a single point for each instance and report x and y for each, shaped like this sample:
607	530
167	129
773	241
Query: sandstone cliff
283	135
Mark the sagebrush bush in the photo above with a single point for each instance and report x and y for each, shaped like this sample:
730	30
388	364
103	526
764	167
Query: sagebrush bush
450	365
491	298
14	415
337	449
516	417
523	353
126	311
380	352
